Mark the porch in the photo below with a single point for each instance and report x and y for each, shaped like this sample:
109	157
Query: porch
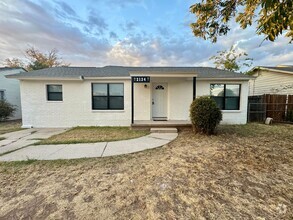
161	124
162	100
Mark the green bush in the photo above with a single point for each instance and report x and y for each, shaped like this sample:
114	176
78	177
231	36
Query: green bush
205	115
6	110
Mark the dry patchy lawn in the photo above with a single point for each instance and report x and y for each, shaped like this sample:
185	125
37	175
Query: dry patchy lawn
10	126
245	172
94	134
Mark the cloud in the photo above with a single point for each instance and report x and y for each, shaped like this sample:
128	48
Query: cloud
65	9
95	24
129	26
146	50
163	31
264	53
34	25
124	3
86	37
113	35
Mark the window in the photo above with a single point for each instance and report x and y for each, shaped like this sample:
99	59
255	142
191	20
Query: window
227	96
54	93
160	87
2	95
107	96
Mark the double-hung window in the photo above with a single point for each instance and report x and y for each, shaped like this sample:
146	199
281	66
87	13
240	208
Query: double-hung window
2	95
54	93
227	96
107	96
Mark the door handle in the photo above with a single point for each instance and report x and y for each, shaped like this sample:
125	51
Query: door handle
153	102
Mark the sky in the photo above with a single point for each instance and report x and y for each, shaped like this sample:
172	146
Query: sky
124	32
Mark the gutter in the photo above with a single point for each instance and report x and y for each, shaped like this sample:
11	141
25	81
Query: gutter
77	78
225	79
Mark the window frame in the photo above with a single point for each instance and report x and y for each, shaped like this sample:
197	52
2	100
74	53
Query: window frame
47	91
108	96
2	97
224	97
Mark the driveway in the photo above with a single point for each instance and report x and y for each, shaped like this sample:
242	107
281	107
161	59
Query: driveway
19	139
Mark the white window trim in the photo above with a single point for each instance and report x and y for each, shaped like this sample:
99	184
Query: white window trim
108	111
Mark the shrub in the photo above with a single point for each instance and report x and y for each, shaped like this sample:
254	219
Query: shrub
6	110
205	115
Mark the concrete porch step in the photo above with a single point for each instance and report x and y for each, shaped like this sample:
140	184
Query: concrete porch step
163	130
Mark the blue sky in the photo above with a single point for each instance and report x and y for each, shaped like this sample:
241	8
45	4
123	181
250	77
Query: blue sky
128	32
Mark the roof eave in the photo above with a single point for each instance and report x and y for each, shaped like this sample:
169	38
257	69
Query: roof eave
226	78
79	78
107	77
13	68
165	74
272	70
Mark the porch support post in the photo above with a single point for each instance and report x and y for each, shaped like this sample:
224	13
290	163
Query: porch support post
132	100
194	88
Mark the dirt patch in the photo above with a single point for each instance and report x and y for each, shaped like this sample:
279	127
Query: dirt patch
10	126
245	172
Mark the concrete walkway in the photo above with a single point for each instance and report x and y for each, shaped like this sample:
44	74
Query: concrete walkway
101	149
22	138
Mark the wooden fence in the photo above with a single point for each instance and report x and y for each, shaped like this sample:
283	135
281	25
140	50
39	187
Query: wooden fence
278	107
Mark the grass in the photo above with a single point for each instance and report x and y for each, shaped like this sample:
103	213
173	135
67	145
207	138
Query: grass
10	126
93	134
244	172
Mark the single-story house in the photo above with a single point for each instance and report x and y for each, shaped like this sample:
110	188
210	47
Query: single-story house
125	96
271	80
9	89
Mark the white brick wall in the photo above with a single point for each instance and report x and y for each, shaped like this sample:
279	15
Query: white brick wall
74	110
229	116
179	99
76	107
142	101
180	95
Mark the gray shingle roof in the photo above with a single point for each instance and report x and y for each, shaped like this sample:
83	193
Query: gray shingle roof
121	71
11	68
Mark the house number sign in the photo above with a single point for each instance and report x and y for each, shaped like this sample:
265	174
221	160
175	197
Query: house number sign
141	79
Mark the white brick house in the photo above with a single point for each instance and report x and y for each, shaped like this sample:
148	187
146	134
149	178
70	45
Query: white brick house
9	89
125	96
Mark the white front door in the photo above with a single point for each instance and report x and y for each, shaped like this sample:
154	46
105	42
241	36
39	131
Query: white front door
159	101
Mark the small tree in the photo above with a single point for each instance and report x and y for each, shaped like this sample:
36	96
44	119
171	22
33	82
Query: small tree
36	60
6	110
205	115
231	60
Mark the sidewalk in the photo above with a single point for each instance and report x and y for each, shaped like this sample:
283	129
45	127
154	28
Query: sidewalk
23	138
101	149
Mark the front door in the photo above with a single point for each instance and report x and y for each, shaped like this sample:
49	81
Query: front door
159	101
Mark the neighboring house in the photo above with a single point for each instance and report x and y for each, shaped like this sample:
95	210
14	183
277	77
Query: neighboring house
271	80
9	89
123	96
